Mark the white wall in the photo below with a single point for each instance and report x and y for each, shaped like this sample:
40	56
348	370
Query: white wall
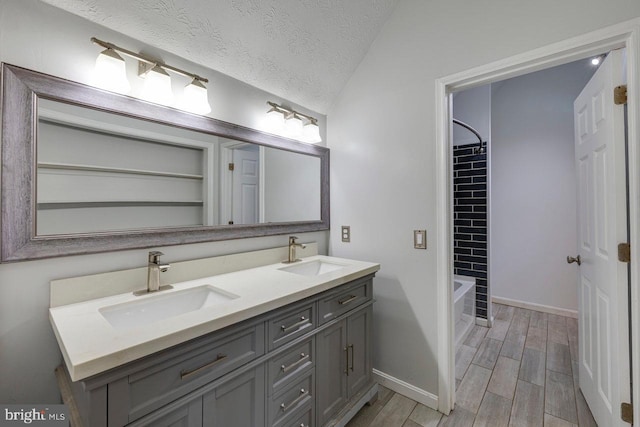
45	39
473	107
382	133
533	187
291	186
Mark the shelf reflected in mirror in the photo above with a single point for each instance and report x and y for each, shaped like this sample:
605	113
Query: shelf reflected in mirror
100	172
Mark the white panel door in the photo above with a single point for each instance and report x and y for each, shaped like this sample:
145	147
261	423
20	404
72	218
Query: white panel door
246	179
604	373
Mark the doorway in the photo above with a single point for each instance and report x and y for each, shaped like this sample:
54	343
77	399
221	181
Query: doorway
241	182
516	176
527	131
561	53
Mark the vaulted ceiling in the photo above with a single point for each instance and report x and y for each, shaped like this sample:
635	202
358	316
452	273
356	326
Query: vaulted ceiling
301	50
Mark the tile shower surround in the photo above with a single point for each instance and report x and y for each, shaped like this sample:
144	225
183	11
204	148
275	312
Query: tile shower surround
470	219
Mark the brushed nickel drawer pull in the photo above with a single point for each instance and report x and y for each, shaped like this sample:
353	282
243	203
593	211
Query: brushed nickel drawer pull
303	358
351	347
303	394
348	300
286	329
346	362
186	374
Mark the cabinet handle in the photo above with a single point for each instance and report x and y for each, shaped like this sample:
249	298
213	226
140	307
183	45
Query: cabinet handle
303	394
351	347
346	356
303	358
186	374
286	329
348	300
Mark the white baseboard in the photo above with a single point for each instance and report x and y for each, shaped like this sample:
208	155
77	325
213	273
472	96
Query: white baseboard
536	307
482	322
406	389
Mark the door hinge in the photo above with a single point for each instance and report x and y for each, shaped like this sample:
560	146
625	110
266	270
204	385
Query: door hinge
620	95
624	252
232	166
626	412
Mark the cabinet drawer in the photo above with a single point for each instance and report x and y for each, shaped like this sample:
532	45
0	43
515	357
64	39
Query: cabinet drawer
292	324
304	420
290	365
284	406
159	384
335	304
188	414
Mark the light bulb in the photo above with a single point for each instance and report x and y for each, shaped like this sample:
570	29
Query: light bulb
157	86
311	133
275	120
110	72
595	61
195	98
293	126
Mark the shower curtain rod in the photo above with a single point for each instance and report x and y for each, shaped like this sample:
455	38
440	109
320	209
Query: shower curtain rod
468	127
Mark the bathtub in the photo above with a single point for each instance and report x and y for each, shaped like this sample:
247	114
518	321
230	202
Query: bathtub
464	306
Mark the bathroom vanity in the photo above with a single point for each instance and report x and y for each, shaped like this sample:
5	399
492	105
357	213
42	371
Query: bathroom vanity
290	345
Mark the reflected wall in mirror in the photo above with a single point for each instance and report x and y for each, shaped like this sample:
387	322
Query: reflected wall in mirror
100	172
111	172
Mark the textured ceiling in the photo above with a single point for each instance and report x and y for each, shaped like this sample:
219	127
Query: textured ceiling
300	50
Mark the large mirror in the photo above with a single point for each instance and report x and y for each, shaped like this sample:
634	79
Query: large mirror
84	170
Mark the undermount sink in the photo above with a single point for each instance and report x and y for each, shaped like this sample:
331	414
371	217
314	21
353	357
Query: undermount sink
312	268
161	306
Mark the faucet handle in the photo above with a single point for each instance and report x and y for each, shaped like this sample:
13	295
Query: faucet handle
154	256
292	239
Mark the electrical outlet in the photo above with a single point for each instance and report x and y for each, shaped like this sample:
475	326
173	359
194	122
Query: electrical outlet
420	239
346	233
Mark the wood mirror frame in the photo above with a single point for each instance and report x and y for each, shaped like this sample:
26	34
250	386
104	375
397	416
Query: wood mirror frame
21	89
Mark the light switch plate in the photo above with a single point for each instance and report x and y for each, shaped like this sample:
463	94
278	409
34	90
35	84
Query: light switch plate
346	233
420	239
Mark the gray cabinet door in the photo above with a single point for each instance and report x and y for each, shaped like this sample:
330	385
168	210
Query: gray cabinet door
187	415
237	403
359	350
331	363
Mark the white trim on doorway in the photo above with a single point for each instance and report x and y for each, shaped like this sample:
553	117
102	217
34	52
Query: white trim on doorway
626	34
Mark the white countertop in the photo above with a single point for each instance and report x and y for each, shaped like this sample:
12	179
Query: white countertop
91	345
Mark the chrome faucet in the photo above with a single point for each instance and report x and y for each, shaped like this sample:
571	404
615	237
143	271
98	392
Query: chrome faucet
153	271
292	250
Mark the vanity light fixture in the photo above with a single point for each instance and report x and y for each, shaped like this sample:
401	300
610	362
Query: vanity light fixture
195	98
293	125
157	85
110	72
290	123
275	119
311	132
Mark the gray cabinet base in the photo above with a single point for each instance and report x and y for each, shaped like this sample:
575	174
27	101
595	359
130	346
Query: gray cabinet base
64	383
114	399
368	395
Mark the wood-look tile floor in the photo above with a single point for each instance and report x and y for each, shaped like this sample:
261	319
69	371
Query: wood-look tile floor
520	372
